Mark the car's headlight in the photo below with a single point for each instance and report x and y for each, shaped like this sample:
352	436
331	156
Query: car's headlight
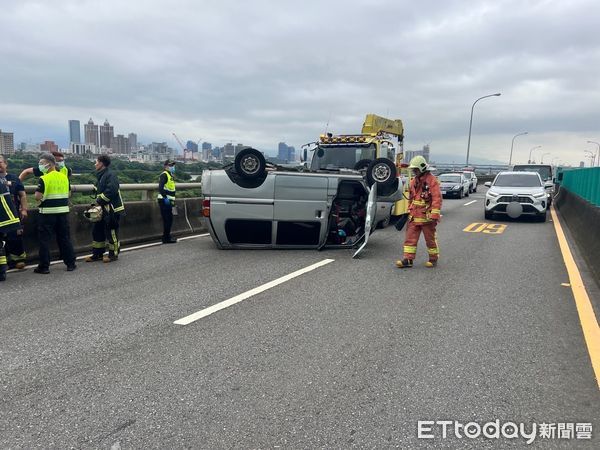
492	194
540	195
456	187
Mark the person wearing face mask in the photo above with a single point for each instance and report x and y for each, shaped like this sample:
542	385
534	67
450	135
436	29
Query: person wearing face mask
425	204
53	194
166	200
105	233
14	239
60	167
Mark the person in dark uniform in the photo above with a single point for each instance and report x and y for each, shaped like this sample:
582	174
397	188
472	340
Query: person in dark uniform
105	233
53	194
9	222
15	250
166	200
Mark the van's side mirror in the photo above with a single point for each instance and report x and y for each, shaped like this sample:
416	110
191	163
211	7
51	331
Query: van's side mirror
488	184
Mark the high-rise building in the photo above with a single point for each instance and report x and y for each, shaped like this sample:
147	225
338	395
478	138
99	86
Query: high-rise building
91	133
74	131
285	152
7	143
191	146
120	144
228	150
132	142
107	134
239	148
206	151
48	146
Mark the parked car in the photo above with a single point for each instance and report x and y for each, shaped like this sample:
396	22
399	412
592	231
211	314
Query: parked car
545	171
472	178
251	205
454	185
516	194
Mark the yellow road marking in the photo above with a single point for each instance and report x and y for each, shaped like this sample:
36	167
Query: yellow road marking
488	228
589	323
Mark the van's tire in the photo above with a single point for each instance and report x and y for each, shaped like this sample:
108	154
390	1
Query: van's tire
362	164
381	171
250	163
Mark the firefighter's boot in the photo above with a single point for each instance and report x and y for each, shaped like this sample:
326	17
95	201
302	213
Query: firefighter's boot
431	264
404	263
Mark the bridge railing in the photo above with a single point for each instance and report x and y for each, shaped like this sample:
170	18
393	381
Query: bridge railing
584	182
147	188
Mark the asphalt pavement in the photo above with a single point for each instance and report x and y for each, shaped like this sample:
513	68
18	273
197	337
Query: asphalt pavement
351	354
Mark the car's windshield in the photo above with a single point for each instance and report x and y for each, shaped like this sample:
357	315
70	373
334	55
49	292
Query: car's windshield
450	178
517	180
336	157
468	175
544	171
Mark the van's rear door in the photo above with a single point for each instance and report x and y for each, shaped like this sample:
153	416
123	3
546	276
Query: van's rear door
370	219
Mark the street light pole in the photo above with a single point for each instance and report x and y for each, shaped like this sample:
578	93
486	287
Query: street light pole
592	157
532	149
471	122
542	160
512	145
598	152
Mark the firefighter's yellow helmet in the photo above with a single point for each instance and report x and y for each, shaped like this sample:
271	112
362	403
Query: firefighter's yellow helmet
419	163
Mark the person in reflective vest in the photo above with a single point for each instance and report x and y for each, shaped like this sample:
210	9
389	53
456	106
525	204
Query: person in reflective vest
9	222
105	233
425	204
53	194
166	200
60	167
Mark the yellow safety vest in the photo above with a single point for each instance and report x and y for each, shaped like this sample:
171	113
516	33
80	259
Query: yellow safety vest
55	198
169	187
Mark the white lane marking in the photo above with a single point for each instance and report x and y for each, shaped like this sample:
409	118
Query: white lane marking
137	247
257	290
470	203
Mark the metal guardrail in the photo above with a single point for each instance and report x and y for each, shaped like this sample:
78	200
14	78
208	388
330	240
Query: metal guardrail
146	188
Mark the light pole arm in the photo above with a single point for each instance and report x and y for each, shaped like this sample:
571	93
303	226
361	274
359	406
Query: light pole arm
471	123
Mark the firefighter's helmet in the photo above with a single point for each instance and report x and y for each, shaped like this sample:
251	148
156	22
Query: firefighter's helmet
419	163
93	213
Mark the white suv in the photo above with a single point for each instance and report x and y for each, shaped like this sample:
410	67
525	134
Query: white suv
516	194
472	180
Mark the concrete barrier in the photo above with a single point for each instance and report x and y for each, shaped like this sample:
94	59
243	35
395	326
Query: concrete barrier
583	220
141	223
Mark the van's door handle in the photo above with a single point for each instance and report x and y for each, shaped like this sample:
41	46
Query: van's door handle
319	213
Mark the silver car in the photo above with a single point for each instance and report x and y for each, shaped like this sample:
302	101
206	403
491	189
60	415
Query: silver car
286	209
516	194
454	185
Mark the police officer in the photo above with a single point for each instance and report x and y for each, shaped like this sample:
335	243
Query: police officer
60	167
9	222
15	249
105	233
166	200
53	194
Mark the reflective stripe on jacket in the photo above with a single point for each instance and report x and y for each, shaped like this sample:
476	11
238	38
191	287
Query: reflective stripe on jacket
168	188
55	198
108	192
8	216
425	201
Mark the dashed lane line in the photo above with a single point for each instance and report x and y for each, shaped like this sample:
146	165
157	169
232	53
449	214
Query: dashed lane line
470	203
137	247
257	290
587	317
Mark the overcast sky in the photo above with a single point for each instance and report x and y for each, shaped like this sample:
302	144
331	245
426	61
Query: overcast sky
260	72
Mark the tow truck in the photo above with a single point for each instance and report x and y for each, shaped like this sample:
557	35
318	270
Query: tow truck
377	153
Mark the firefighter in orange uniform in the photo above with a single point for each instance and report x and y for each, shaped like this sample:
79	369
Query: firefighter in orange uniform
425	204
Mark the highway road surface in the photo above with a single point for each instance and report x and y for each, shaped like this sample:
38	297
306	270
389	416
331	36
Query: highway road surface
303	349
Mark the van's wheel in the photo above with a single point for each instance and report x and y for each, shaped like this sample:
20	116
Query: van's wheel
381	171
363	164
250	163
